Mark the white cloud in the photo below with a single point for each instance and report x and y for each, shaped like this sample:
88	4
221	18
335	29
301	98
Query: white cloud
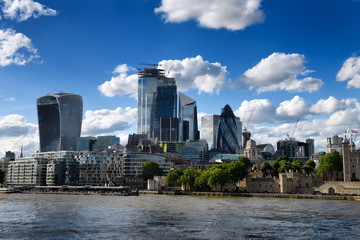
15	125
196	73
22	10
331	105
107	121
294	109
15	132
262	111
279	71
15	48
230	14
10	99
121	84
350	71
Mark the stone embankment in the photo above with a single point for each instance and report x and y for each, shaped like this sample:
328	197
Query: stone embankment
262	195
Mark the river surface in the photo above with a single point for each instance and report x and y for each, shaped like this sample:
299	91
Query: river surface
38	216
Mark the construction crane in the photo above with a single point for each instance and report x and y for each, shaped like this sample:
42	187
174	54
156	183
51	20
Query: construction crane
151	64
290	139
247	123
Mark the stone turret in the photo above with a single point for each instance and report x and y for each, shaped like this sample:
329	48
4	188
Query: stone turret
346	160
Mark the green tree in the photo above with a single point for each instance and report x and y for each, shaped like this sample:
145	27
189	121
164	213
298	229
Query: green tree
2	176
246	161
275	166
201	181
265	166
188	178
174	178
151	169
311	163
297	165
330	163
237	170
218	176
284	166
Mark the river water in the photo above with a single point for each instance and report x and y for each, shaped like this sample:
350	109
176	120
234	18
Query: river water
37	216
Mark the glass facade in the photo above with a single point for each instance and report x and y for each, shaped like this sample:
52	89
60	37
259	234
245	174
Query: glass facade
169	129
209	126
188	124
60	118
156	99
228	137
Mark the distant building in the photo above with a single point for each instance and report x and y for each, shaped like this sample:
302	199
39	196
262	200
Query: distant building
229	132
156	98
296	149
169	129
266	151
334	143
195	151
60	118
351	161
209	126
96	143
188	123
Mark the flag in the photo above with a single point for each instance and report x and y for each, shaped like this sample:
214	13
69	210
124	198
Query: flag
354	131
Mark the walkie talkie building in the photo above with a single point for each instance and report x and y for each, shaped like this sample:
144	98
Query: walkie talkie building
60	118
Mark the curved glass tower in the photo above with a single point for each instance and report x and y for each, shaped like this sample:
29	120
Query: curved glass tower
60	118
229	132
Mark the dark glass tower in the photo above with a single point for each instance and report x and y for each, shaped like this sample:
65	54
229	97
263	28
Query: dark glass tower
188	124
60	118
228	137
157	98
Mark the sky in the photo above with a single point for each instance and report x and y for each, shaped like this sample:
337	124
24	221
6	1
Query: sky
277	61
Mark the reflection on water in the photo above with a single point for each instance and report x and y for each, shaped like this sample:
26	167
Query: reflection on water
33	216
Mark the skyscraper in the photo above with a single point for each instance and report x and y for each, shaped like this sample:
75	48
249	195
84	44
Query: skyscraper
228	135
209	127
60	118
156	98
188	124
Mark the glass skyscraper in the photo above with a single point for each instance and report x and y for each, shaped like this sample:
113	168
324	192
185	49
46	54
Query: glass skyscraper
157	98
209	127
228	134
60	118
188	124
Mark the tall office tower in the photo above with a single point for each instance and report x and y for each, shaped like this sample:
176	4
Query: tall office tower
60	118
156	98
209	127
188	124
169	129
310	147
228	135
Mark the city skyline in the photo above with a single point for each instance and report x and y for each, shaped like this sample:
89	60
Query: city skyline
280	61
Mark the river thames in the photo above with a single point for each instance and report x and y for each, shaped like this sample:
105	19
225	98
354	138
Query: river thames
37	216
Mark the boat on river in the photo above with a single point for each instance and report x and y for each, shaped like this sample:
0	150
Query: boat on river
7	190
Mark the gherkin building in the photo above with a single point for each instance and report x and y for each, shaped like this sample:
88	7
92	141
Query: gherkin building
228	138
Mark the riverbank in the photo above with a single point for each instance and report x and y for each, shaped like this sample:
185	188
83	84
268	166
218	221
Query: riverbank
259	195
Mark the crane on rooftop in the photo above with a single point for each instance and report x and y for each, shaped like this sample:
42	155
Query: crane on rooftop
292	137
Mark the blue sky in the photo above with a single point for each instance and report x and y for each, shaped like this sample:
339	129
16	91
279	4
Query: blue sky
281	60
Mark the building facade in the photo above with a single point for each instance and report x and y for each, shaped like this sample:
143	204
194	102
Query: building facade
334	143
156	98
209	126
60	118
96	143
188	122
228	135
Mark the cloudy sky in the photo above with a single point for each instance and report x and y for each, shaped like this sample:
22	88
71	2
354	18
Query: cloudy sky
280	60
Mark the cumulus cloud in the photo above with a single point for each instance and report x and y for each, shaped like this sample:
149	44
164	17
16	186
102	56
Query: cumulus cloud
121	84
350	71
280	71
15	48
331	105
294	109
21	10
15	125
15	132
107	121
197	74
231	14
261	110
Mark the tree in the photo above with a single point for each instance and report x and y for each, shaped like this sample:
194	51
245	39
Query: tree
151	169
2	176
188	178
246	161
218	176
284	166
202	179
297	165
265	166
236	170
174	178
330	163
311	163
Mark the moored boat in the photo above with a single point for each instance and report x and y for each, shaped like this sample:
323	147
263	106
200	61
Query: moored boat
7	190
